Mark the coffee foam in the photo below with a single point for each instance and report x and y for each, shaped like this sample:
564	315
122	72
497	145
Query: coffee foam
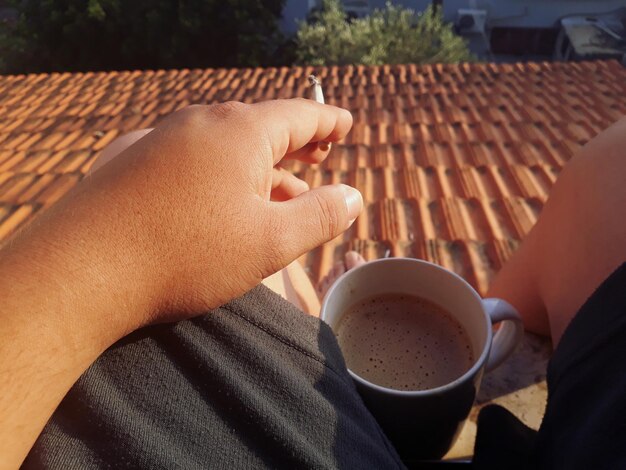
403	342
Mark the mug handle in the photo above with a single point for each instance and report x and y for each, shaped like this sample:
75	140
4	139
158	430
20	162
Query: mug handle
508	336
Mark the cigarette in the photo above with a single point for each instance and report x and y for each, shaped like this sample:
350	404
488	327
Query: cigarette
318	95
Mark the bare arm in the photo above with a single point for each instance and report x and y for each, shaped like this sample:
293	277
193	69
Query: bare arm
60	306
180	223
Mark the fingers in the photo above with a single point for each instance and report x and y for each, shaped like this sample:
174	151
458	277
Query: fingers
296	128
292	124
286	186
314	217
314	152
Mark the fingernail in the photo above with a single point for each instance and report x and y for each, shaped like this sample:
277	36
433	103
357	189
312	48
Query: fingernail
324	146
354	201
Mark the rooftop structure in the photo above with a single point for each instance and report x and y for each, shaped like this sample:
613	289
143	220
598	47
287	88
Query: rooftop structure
454	162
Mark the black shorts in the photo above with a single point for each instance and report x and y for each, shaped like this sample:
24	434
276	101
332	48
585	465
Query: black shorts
584	426
259	384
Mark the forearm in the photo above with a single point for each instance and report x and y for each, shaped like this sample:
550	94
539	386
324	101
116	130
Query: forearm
37	368
62	297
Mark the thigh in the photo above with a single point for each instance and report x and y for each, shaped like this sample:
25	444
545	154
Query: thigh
580	237
294	285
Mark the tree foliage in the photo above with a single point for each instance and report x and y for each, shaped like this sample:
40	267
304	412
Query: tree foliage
394	35
129	34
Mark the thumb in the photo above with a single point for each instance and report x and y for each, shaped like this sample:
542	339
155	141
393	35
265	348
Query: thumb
315	217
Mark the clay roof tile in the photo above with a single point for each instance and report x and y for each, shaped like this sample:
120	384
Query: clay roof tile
454	161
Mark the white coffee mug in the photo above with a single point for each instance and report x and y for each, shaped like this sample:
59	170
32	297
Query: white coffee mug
423	424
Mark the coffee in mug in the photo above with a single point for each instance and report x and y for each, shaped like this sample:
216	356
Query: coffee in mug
403	342
422	423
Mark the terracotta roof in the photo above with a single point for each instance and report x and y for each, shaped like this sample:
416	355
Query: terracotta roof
454	161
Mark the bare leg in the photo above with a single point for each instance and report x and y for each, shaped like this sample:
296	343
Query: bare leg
352	259
294	285
579	239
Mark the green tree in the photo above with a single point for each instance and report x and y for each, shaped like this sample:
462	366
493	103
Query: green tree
394	35
70	35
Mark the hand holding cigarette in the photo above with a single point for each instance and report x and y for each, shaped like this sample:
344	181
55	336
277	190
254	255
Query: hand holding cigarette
318	95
